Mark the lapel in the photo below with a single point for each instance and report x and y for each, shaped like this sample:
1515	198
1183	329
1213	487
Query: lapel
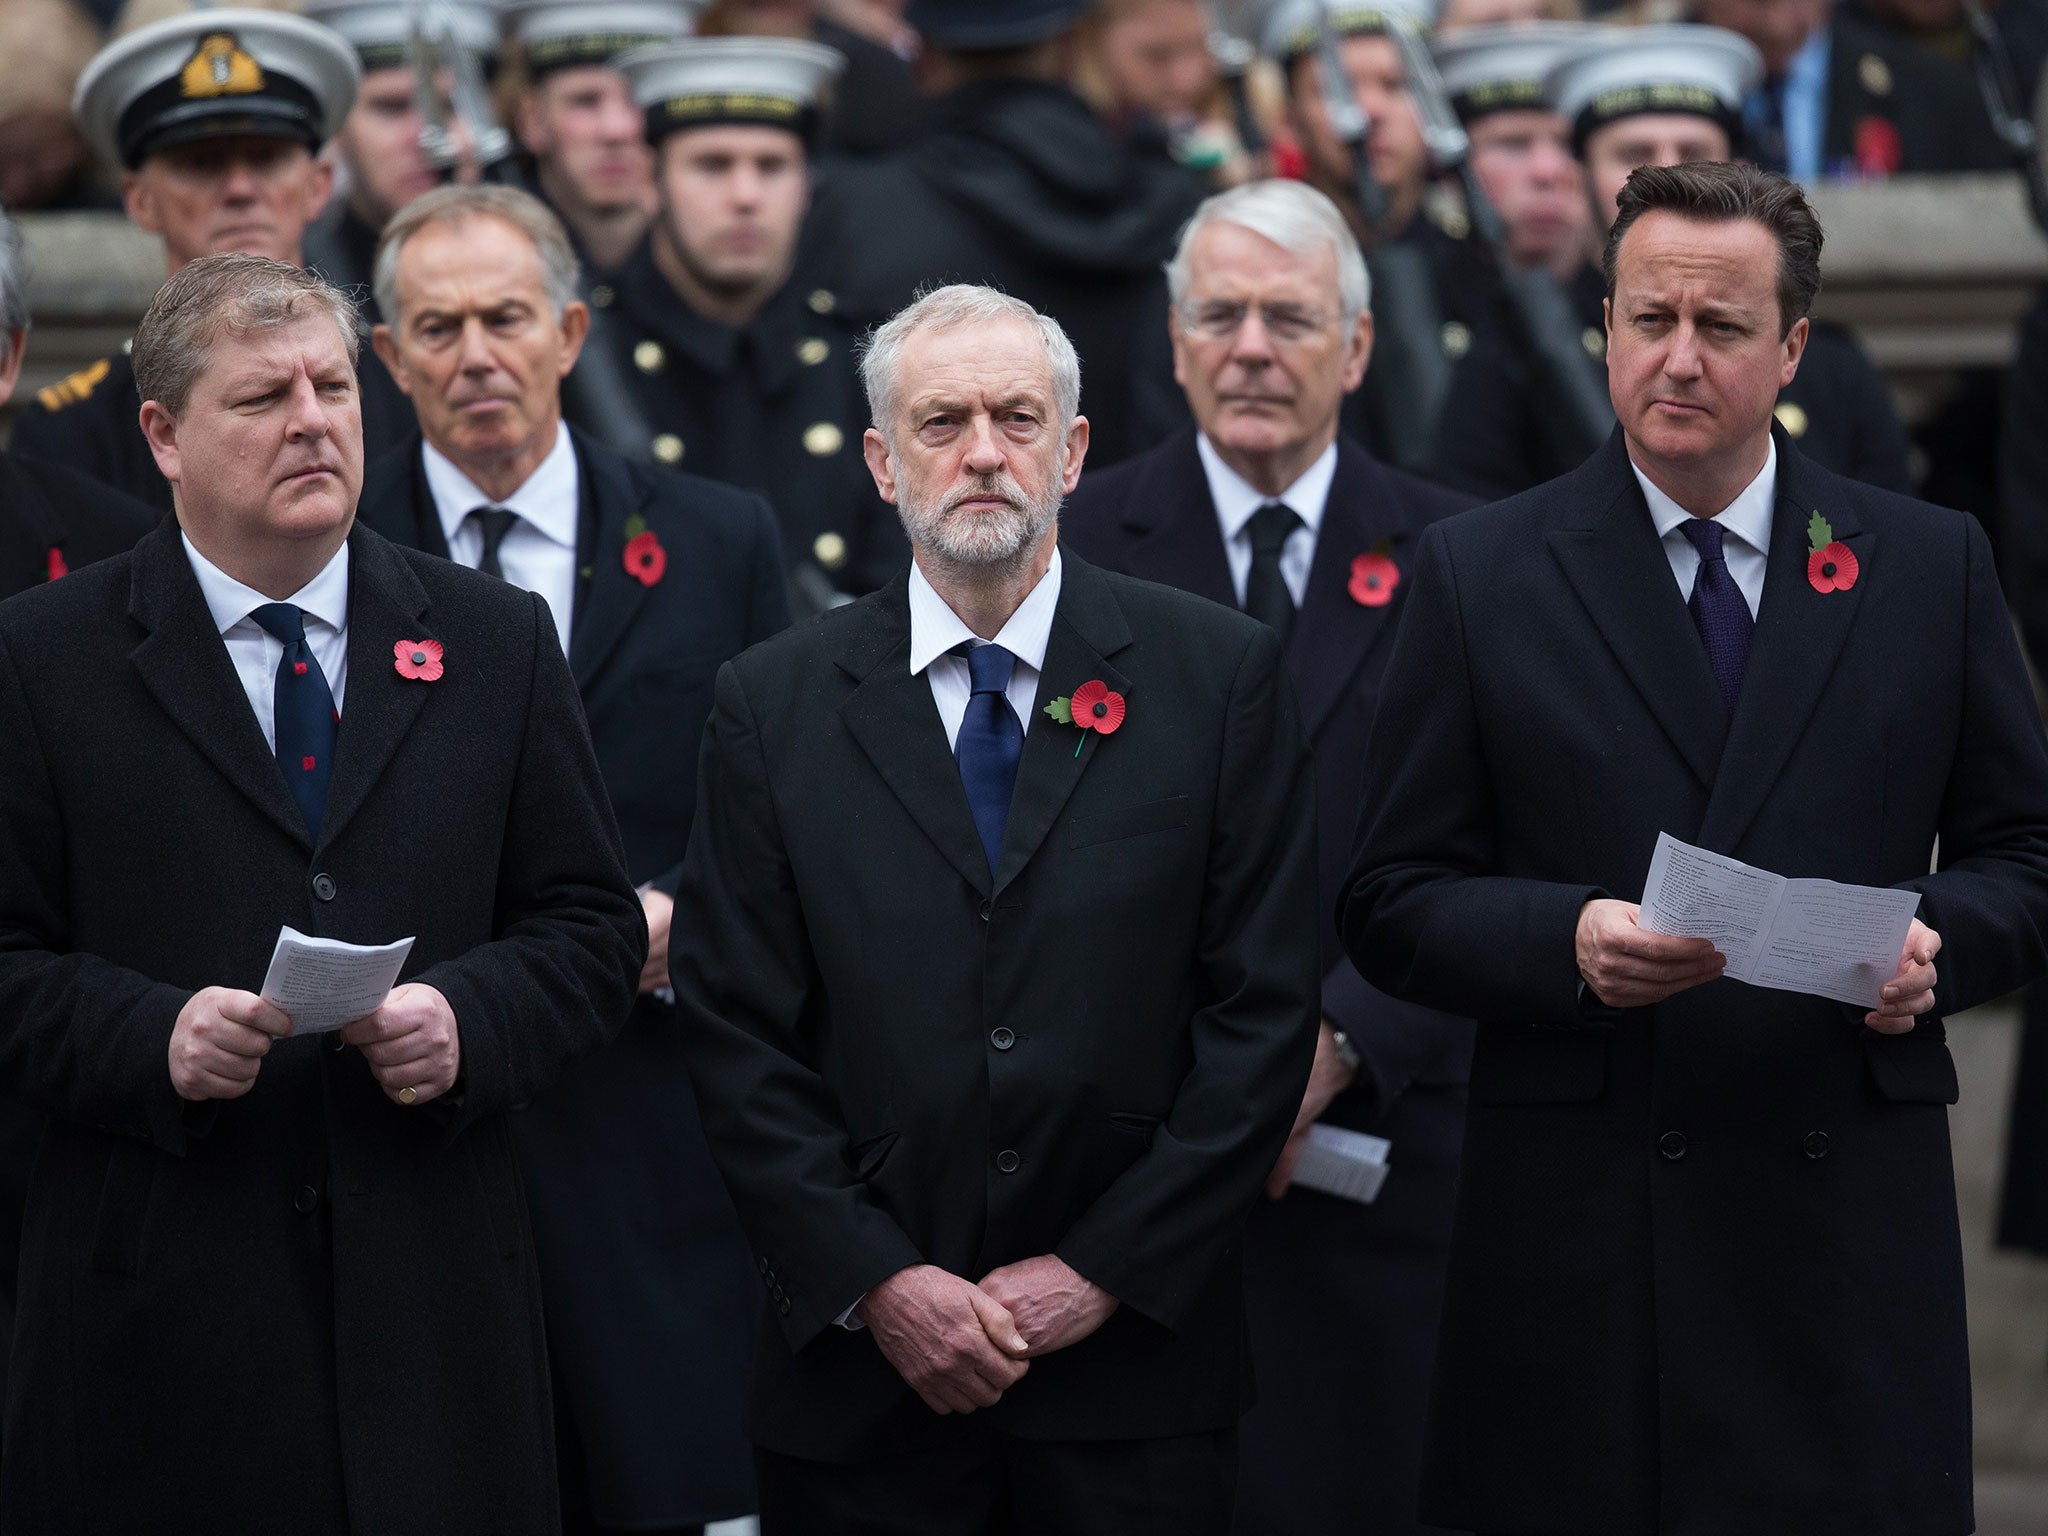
1172	521
892	717
607	604
1087	627
184	663
1334	633
385	605
1603	538
1798	638
397	504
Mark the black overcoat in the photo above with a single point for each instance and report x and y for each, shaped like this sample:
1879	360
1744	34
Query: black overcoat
309	1309
1095	1053
1342	1298
647	1282
1706	1275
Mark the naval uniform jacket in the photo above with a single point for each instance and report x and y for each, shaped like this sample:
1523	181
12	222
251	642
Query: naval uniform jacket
1095	1052
1706	1274
309	1309
1335	1442
648	1285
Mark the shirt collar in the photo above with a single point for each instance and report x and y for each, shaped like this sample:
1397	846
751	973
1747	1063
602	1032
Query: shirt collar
547	498
936	629
325	597
1748	516
1237	499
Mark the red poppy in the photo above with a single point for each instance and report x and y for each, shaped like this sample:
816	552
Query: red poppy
1879	149
646	560
1832	569
57	567
419	660
1373	579
1097	709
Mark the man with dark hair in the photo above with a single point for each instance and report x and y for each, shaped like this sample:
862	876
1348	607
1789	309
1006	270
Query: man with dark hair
273	1281
1706	1272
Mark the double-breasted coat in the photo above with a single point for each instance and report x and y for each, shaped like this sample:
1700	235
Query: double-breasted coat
309	1309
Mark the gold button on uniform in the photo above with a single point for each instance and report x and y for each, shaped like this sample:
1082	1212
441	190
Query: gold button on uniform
1875	74
668	448
1457	339
813	350
1594	340
648	357
822	301
602	296
822	439
1791	418
830	551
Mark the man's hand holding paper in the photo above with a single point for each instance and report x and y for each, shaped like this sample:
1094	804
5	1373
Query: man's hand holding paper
1910	993
1627	965
410	1042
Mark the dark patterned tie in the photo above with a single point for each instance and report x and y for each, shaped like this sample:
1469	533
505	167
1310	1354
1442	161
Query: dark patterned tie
493	523
306	721
1266	597
990	743
1718	608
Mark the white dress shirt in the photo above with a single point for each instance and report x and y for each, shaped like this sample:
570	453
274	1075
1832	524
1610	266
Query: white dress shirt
1746	532
935	629
256	652
1236	499
539	551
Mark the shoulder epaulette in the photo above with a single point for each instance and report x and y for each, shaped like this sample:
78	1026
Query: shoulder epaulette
75	388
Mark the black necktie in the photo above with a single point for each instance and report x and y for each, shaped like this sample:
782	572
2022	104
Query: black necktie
990	744
493	523
1266	597
1719	608
306	721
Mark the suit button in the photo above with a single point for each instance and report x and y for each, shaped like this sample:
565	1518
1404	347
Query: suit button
335	1044
782	1306
1008	1161
324	887
307	1200
764	1265
988	909
1672	1145
1816	1145
1002	1039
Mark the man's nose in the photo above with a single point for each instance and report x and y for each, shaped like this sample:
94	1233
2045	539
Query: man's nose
239	183
1682	357
308	413
1252	345
984	454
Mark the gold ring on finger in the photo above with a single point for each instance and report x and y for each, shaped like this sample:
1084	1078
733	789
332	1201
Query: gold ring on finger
408	1094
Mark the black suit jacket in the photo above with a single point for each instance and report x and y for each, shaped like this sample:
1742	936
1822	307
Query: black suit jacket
1095	1053
310	1308
646	1276
1664	1305
49	508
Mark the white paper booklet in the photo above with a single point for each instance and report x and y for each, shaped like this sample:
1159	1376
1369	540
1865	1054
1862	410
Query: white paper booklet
1817	936
324	983
1348	1164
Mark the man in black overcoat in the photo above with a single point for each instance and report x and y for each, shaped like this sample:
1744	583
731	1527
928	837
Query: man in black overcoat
654	579
1271	331
1706	1274
270	1281
998	1027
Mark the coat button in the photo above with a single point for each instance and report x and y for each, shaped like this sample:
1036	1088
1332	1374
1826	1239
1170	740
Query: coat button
335	1044
1008	1161
602	296
307	1200
1002	1039
782	1306
324	887
1816	1145
988	908
649	358
1672	1145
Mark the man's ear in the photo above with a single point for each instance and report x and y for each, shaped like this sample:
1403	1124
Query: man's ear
138	198
160	427
875	449
385	345
575	325
1073	451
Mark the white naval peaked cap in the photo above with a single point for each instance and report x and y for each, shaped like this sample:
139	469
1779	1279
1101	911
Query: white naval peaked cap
1293	27
1624	71
558	34
704	80
1505	68
213	73
380	31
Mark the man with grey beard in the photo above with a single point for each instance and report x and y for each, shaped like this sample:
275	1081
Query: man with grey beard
997	937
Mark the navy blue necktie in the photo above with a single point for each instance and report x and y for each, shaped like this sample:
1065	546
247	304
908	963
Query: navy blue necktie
990	743
493	523
1718	608
306	722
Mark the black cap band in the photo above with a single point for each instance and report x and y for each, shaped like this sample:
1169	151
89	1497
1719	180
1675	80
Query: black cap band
1499	96
708	109
1640	100
165	115
547	54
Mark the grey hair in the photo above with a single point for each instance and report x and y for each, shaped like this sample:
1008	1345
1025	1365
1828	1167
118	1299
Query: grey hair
1295	217
230	294
454	205
944	309
13	286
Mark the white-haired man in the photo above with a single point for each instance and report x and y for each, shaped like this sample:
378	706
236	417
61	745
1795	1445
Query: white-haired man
996	935
1266	506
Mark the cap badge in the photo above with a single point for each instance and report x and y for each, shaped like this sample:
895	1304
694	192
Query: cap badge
219	67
